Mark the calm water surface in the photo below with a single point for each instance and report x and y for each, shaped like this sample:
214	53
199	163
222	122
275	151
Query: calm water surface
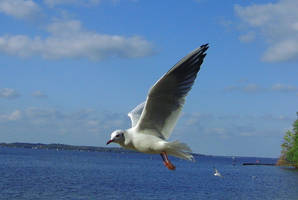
48	174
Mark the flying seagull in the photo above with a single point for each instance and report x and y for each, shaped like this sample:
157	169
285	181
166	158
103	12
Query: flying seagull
153	121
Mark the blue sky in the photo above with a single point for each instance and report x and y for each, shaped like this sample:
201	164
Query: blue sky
71	70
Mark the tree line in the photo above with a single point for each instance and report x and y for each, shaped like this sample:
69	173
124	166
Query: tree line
289	147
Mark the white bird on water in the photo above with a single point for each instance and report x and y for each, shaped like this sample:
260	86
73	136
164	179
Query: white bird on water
154	120
217	173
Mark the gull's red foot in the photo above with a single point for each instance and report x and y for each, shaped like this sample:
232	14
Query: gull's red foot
166	161
169	165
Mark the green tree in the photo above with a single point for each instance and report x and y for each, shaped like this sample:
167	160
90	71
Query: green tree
289	154
288	142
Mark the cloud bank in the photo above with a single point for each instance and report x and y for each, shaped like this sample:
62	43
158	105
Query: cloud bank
53	3
255	88
21	9
47	125
68	39
8	93
39	94
277	24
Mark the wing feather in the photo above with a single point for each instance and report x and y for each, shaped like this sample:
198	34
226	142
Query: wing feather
135	114
166	98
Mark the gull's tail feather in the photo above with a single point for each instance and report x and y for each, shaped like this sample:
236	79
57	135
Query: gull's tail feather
179	150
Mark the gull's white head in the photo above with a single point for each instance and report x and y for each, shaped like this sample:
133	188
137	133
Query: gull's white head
117	137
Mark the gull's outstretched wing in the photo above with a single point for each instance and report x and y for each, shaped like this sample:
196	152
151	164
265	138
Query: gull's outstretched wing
135	114
166	98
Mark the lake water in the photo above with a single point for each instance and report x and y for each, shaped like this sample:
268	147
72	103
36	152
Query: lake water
48	174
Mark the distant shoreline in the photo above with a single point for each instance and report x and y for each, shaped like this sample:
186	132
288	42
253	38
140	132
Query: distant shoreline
61	147
57	146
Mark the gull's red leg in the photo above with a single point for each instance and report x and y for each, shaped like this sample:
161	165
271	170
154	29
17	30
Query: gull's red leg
166	161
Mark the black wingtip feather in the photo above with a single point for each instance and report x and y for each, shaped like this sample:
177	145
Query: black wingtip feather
198	53
180	78
186	70
205	46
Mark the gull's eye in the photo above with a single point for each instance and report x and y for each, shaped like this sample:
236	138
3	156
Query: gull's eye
117	135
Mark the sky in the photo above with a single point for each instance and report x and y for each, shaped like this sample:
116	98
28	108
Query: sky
71	70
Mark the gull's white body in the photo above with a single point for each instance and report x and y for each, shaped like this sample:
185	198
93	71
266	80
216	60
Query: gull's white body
146	143
154	120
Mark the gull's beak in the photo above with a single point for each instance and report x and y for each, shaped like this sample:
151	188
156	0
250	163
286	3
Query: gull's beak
110	141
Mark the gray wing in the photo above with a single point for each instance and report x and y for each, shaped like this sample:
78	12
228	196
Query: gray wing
167	96
135	114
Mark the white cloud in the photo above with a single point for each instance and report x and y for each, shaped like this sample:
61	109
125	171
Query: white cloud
8	93
283	50
39	94
47	125
93	122
254	88
43	114
284	88
277	23
53	3
230	125
22	9
248	37
15	115
276	118
249	88
82	121
67	39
